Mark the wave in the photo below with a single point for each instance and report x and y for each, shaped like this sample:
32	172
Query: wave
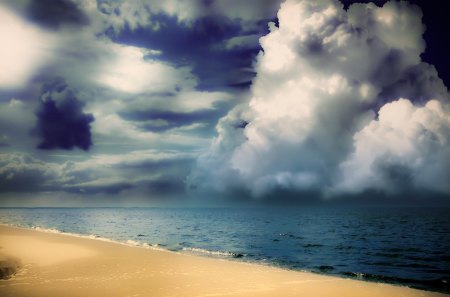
87	236
225	254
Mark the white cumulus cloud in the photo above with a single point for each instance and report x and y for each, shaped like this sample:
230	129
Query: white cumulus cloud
311	123
407	146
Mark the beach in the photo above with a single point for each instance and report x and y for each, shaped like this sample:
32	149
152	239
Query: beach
49	264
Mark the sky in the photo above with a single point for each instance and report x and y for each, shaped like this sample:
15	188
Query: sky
137	103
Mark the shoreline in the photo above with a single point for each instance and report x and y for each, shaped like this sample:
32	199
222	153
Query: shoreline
47	256
217	255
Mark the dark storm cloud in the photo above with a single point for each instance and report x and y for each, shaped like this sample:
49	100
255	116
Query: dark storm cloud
180	165
23	173
155	176
53	14
201	45
142	173
161	177
163	120
62	124
111	188
154	188
28	181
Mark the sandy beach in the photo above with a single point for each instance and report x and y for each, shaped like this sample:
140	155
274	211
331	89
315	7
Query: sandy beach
48	264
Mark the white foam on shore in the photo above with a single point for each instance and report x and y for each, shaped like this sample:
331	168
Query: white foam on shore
133	243
130	243
211	253
88	236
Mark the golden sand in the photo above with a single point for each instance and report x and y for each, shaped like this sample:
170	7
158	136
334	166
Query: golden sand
62	265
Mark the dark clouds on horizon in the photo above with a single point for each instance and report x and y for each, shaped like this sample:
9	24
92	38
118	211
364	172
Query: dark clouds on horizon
120	100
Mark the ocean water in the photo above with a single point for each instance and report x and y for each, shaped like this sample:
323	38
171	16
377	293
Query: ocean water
394	245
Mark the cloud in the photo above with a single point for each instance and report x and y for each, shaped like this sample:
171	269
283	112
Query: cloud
62	124
130	71
199	46
144	173
23	173
24	49
322	75
199	34
172	120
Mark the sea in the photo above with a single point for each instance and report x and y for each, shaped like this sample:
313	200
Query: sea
404	246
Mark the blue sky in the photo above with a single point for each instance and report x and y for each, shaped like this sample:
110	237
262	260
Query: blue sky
140	102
